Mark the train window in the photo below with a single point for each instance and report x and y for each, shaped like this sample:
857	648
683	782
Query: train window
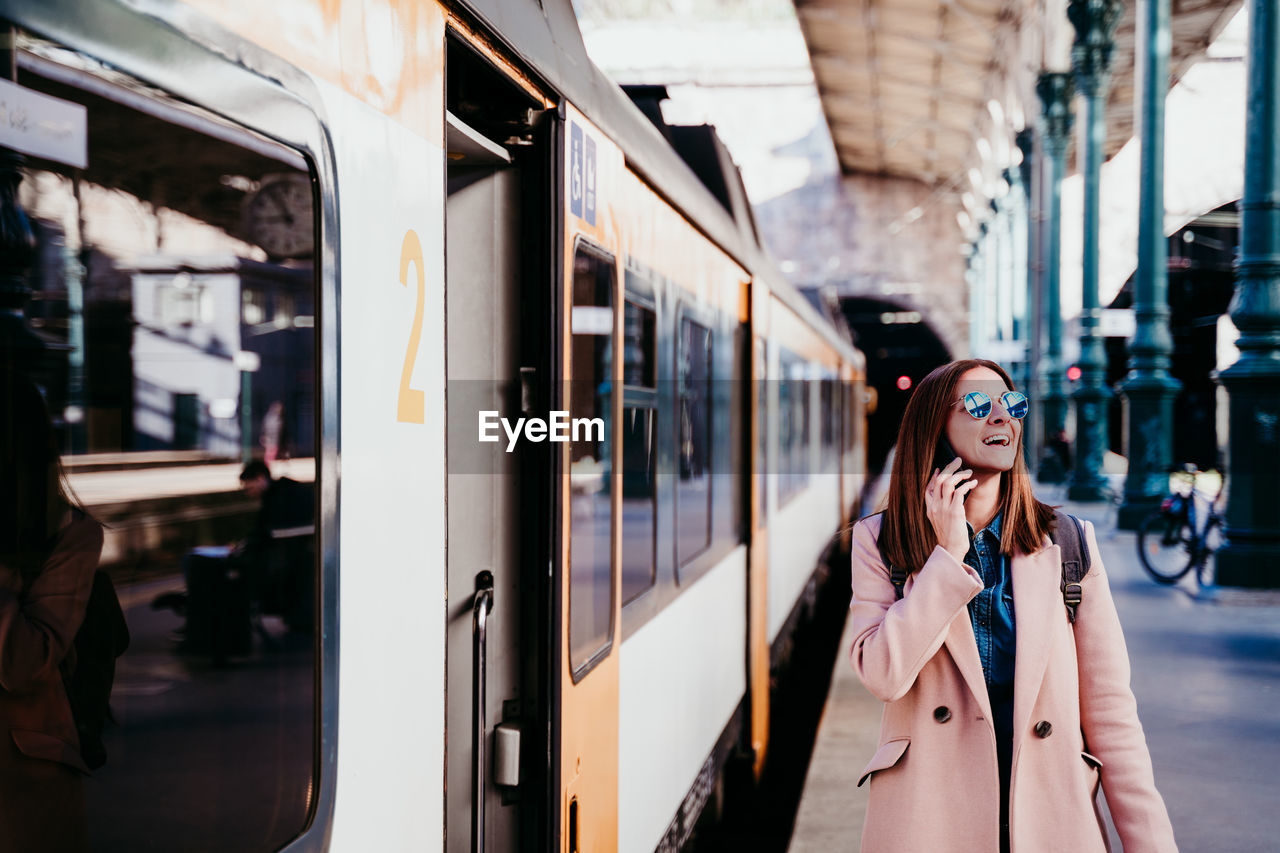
762	428
693	483
854	414
590	461
639	450
174	362
639	507
830	426
793	427
803	455
638	352
786	419
733	402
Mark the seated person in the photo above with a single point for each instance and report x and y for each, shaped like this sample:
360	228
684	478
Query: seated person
277	552
271	567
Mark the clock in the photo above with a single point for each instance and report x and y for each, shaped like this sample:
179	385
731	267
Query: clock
278	215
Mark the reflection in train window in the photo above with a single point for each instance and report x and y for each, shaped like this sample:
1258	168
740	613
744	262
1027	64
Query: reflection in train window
802	459
786	417
850	412
693	484
590	461
762	427
830	415
639	449
638	353
793	427
638	501
187	434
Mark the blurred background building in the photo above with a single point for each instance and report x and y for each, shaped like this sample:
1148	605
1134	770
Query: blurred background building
883	162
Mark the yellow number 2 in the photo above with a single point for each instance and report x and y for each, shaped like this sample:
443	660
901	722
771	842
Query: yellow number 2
412	404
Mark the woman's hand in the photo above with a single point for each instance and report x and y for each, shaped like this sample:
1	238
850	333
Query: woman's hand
944	504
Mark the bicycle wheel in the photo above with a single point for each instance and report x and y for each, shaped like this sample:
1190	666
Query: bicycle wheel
1165	546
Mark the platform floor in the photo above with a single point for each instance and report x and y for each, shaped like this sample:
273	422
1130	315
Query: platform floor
1206	673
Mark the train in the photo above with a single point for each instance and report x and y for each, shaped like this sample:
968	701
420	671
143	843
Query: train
400	251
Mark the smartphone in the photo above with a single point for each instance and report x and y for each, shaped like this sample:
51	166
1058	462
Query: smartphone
944	456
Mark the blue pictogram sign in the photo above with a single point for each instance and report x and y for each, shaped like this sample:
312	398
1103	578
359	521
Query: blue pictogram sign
590	181
575	170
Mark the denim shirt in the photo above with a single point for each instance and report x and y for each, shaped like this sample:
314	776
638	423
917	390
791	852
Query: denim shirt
991	613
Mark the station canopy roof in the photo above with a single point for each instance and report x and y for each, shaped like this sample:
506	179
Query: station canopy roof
906	85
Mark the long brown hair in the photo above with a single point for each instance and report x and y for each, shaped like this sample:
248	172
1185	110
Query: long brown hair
907	537
33	491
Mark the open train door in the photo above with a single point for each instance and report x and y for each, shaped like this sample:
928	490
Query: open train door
588	501
500	290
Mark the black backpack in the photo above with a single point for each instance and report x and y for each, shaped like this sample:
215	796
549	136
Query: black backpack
87	676
1075	562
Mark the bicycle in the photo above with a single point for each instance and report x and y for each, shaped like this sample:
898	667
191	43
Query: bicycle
1170	541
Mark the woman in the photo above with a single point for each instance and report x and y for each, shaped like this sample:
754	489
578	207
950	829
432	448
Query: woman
998	721
49	550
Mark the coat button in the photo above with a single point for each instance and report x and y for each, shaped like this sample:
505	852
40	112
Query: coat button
942	713
1044	728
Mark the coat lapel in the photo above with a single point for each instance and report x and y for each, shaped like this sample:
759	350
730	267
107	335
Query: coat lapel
963	647
1037	603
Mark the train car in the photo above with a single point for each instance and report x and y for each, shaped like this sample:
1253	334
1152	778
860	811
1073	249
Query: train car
561	453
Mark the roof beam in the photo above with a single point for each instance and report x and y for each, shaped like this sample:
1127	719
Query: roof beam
869	20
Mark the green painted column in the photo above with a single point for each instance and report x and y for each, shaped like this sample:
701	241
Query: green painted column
1149	388
1029	177
1250	556
1095	23
1055	91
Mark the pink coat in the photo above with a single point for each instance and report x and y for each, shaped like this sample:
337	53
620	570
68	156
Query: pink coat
934	778
41	797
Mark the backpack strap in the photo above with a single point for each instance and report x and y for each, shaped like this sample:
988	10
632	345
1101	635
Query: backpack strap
1069	537
897	576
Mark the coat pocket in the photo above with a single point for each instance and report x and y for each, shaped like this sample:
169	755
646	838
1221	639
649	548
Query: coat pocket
889	754
35	744
1092	761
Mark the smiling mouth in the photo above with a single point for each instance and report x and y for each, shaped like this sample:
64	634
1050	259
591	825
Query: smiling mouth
996	441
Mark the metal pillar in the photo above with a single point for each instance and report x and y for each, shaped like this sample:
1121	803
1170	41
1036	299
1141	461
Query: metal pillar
1030	182
1250	556
1055	90
1095	23
1149	388
976	281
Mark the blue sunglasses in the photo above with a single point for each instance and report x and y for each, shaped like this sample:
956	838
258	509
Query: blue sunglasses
978	404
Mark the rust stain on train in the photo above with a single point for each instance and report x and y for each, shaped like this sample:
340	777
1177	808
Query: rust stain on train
487	48
387	53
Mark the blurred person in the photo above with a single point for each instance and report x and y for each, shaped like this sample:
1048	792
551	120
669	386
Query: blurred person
266	570
997	730
1059	444
283	504
49	551
276	554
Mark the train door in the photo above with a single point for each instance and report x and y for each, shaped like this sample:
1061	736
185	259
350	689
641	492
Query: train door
498	292
589	596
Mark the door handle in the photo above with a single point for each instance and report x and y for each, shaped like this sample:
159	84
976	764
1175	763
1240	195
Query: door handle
480	609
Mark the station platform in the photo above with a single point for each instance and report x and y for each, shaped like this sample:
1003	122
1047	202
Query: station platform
1206	673
166	502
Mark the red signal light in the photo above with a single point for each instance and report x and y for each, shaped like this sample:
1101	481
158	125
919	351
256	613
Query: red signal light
904	382
1073	373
